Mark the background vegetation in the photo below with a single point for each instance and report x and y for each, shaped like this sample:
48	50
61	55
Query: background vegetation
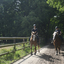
17	20
11	57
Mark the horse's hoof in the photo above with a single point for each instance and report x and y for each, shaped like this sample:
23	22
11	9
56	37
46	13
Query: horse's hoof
38	50
31	54
59	53
34	53
56	54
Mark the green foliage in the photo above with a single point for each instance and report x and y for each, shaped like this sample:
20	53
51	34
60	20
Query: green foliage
59	4
20	23
58	20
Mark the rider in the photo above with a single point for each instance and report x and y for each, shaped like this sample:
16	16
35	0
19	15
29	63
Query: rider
36	31
59	32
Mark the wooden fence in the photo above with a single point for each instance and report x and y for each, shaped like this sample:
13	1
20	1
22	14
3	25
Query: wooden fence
14	44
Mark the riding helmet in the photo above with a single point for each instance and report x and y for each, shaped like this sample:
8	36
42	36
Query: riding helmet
34	24
56	27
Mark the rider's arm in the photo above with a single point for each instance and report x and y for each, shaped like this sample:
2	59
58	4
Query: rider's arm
36	31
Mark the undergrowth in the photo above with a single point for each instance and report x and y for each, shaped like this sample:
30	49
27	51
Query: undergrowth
9	58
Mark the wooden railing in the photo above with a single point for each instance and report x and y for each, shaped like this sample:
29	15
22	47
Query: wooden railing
14	44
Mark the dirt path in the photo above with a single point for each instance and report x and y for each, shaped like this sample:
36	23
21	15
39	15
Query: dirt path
46	56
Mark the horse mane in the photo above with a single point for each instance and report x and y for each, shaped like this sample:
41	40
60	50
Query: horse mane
54	34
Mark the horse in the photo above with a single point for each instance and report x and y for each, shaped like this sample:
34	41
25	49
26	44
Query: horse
33	41
57	42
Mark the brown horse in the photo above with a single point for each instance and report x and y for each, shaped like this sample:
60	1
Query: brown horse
57	42
33	41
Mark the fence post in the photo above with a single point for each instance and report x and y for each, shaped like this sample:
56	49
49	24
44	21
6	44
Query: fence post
23	44
14	46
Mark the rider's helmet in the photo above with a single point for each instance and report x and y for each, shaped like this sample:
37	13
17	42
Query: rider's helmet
56	27
34	24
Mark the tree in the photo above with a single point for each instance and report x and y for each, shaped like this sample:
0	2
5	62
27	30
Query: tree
59	4
20	23
57	19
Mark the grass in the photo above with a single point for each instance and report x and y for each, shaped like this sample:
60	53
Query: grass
7	59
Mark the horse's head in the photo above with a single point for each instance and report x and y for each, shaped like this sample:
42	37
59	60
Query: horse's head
33	35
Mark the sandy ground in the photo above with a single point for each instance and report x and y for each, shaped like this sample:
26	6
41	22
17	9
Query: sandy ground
46	56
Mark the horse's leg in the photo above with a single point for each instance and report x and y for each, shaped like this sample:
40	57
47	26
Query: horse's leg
35	49
59	50
56	50
31	48
38	48
39	45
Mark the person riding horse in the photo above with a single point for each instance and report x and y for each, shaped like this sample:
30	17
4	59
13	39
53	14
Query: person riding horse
34	39
59	32
36	32
57	40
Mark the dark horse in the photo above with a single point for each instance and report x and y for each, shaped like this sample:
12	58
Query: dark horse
33	41
57	42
